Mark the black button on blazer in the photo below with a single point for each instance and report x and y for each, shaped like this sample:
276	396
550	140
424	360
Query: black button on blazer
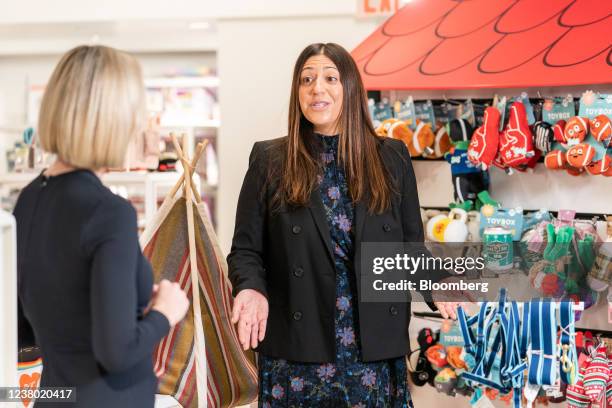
287	256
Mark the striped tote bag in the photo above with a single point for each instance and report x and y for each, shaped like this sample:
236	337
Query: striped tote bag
202	360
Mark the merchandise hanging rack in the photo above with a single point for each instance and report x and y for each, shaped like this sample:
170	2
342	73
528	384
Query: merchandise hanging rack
437	315
579	215
597	332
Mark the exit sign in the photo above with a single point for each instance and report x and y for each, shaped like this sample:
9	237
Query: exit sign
377	8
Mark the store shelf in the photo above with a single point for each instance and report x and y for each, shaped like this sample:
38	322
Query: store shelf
8	299
153	185
140	177
13	128
208	189
183	82
21	179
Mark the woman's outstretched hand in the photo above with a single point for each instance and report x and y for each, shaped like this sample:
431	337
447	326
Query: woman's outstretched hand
449	309
251	313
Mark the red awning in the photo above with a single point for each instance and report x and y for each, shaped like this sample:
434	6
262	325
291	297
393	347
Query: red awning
462	44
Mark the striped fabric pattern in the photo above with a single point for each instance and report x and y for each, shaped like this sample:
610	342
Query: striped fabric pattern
576	396
596	375
231	373
609	385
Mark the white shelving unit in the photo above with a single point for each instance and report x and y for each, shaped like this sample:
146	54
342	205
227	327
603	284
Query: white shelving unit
190	117
8	300
194	120
153	185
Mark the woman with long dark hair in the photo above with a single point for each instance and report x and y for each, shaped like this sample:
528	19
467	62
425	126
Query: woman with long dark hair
307	203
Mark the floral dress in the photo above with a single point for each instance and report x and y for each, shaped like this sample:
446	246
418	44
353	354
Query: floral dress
349	382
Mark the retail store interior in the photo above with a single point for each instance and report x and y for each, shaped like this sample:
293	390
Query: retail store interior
220	72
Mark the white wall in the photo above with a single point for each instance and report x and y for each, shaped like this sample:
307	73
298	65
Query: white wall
255	61
134	36
42	11
542	188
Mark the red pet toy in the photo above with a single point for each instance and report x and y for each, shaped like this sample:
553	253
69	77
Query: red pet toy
485	140
576	129
601	128
516	142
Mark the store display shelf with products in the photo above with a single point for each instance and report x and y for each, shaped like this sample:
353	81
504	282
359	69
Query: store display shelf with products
8	299
511	133
145	190
184	102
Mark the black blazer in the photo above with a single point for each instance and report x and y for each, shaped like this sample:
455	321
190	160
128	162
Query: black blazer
83	286
287	256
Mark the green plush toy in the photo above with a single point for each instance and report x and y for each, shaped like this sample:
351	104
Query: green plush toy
569	259
485	199
467	205
558	243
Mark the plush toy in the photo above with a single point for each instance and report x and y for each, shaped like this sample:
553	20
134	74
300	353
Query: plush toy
601	128
436	355
460	130
453	356
516	141
576	129
468	178
591	155
533	161
383	129
596	375
572	171
446	381
441	145
422	140
580	155
579	151
555	160
424	372
544	136
485	140
400	130
559	131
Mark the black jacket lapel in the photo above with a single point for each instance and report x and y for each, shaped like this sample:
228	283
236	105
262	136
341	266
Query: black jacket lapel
318	215
360	216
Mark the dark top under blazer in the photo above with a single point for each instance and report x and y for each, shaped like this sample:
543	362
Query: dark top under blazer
83	286
287	256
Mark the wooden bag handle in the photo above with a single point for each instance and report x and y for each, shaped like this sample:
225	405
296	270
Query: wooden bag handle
191	194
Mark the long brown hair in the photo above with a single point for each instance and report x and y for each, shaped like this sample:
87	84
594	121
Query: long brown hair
357	145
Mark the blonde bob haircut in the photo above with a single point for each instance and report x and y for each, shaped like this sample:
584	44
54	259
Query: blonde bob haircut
94	104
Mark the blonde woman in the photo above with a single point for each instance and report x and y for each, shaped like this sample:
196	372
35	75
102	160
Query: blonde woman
84	286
